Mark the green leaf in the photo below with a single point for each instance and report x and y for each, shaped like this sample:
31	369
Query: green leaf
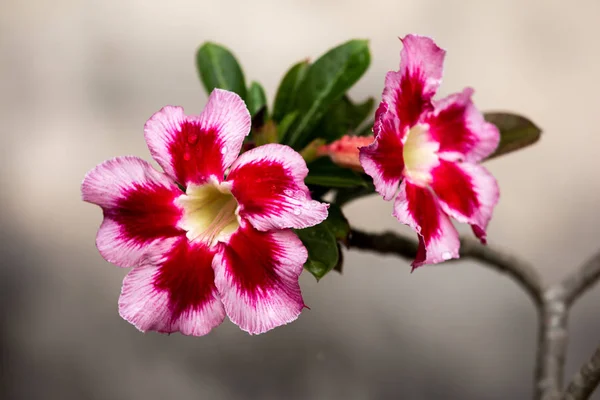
321	241
342	118
324	172
218	68
346	195
516	132
322	249
256	98
285	124
337	222
325	82
286	93
317	192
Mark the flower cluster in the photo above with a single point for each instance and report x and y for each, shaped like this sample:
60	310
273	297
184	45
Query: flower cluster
211	236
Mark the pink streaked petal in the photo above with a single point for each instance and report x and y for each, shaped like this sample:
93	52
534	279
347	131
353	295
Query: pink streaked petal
382	160
257	276
418	208
461	129
268	183
467	192
139	210
191	149
421	56
409	91
173	293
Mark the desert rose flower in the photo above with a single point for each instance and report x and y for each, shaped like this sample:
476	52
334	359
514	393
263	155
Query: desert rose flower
210	236
426	154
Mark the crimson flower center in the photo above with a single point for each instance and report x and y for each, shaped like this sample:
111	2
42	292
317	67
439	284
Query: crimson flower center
420	155
210	212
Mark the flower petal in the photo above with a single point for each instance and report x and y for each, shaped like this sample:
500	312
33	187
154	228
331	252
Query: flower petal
191	149
268	183
139	212
461	130
467	192
438	239
408	92
257	276
173	293
382	160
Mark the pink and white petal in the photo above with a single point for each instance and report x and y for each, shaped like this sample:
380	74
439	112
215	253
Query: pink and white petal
461	129
467	192
409	91
173	293
418	208
257	275
421	56
382	160
268	183
138	205
192	149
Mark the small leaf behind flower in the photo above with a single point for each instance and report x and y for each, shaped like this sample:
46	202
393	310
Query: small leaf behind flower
516	132
343	117
324	172
321	241
338	224
256	99
286	93
285	125
325	82
218	68
322	249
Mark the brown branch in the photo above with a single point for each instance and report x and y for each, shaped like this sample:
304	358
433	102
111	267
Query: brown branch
552	303
552	345
390	243
574	286
586	380
583	279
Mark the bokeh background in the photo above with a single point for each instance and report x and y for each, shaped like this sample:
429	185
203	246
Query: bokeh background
78	79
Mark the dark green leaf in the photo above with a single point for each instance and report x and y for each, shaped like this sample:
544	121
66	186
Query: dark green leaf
316	192
325	82
324	172
259	119
256	98
340	265
345	195
322	249
286	93
516	132
218	68
338	224
285	124
342	118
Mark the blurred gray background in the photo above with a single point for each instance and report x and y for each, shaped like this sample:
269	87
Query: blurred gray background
78	79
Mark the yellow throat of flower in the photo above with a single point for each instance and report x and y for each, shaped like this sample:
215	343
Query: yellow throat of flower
210	212
420	155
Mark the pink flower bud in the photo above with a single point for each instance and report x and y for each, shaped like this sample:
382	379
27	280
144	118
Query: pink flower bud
344	152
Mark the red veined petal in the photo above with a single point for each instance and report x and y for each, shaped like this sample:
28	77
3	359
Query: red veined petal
192	149
257	275
139	211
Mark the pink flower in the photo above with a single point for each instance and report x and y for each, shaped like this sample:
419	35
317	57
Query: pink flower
430	150
344	151
222	246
